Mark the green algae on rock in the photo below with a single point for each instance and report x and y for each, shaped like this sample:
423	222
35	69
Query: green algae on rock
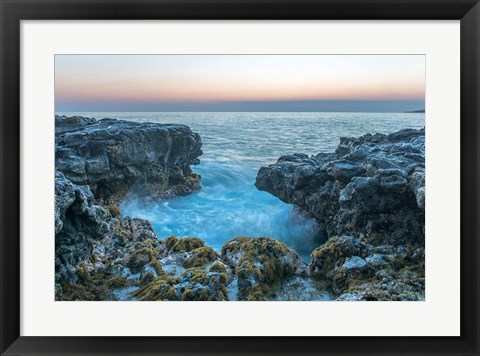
185	244
358	270
260	263
200	257
195	284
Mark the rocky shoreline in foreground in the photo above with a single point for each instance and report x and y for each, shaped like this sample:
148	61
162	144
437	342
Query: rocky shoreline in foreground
368	196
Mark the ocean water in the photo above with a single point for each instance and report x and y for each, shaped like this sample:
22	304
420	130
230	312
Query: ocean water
235	146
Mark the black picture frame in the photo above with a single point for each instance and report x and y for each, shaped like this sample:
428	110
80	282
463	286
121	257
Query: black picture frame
13	11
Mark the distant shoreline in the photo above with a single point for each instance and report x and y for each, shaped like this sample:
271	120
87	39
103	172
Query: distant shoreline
415	112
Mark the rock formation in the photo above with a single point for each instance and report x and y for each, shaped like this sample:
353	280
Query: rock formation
112	156
97	163
369	195
102	256
78	223
260	263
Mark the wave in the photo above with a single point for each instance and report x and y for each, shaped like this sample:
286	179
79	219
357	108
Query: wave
228	206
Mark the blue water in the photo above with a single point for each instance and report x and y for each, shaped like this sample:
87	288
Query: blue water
235	146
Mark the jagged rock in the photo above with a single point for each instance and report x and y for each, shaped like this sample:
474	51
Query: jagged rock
78	222
370	196
374	183
112	156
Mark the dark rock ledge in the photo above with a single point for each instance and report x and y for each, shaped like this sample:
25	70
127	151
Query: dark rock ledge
369	195
112	156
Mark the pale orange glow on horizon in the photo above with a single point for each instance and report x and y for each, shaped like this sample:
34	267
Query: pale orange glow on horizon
207	78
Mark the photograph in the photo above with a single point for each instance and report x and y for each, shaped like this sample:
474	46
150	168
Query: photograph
246	177
235	177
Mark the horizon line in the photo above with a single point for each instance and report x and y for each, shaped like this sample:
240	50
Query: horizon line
399	105
419	111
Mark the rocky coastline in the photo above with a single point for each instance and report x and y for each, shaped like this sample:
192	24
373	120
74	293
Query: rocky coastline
368	196
114	157
102	256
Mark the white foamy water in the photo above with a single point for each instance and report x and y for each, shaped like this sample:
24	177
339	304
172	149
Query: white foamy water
235	146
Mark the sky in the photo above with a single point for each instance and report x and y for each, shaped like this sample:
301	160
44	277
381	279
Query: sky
377	83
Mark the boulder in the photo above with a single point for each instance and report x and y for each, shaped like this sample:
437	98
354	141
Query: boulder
371	184
370	196
112	156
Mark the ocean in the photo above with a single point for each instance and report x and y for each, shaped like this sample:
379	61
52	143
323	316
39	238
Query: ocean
235	146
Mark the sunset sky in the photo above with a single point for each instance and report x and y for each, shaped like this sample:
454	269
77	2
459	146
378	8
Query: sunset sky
239	82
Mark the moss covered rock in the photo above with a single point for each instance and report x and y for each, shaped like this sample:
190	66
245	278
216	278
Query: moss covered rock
195	284
356	269
201	256
260	263
334	253
382	288
90	286
185	244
